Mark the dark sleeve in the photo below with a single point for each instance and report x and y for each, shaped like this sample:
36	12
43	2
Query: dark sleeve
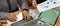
12	5
23	3
3	15
3	6
3	9
8	5
40	1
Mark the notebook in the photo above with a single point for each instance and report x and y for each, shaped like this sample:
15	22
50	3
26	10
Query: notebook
49	16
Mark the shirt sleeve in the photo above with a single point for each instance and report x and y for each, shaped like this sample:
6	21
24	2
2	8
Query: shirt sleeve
3	6
23	3
3	15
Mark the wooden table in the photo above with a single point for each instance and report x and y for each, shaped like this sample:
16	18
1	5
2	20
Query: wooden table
15	13
3	23
58	21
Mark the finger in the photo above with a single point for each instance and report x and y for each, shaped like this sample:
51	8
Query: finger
24	16
9	17
28	17
12	18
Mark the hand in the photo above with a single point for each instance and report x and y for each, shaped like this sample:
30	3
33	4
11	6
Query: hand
26	15
34	3
12	17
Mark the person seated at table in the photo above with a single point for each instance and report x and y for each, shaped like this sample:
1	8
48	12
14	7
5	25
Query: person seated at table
8	6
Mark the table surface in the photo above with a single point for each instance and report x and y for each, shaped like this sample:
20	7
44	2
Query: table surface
57	23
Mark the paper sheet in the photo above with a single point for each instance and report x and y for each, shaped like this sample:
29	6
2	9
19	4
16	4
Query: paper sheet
49	4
